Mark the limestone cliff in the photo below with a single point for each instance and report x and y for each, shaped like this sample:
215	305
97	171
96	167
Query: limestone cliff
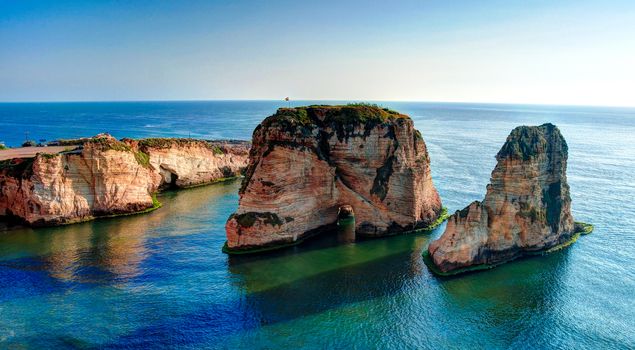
103	176
186	162
307	162
527	207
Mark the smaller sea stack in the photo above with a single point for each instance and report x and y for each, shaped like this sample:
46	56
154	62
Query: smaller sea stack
527	208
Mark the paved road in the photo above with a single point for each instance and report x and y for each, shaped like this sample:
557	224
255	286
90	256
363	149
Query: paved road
29	152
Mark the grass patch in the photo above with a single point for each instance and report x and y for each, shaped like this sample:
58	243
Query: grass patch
436	223
583	228
107	144
356	113
3	147
217	150
163	142
142	158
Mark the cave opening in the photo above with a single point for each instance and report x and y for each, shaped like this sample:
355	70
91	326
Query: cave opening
172	185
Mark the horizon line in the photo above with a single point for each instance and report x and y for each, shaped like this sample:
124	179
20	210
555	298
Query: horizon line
327	100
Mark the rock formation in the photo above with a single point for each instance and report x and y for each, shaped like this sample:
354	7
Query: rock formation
307	162
103	176
186	162
527	208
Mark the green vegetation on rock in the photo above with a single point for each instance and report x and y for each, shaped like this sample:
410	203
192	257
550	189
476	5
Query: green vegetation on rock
142	158
107	144
17	167
249	219
583	228
442	217
525	142
357	113
48	155
217	150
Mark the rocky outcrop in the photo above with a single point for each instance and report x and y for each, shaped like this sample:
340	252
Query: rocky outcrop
103	176
307	162
527	208
186	162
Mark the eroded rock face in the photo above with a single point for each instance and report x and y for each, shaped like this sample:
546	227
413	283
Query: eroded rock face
527	207
185	163
104	176
307	162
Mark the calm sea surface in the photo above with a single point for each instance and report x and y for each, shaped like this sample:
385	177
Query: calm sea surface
160	280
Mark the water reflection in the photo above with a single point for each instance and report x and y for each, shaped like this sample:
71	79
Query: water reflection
508	298
106	250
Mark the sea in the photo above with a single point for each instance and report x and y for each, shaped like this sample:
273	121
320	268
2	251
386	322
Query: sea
160	280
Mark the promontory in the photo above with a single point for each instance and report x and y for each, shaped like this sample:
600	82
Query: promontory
102	176
308	162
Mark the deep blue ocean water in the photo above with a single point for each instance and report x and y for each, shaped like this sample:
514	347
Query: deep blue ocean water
160	280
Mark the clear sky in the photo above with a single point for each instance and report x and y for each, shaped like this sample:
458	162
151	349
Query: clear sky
524	51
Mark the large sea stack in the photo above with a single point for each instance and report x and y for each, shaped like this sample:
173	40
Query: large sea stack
102	176
307	162
527	208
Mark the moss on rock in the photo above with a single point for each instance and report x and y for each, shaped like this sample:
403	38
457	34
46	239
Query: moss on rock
351	114
18	167
249	219
525	142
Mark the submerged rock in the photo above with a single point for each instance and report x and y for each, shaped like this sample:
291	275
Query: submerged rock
527	208
307	162
102	176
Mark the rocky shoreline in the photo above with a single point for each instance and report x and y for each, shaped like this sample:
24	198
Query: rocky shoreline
104	177
358	169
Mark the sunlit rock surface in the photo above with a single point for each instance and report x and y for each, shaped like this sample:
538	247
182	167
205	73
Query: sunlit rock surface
307	162
527	207
102	176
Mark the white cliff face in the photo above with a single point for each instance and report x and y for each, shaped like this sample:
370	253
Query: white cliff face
191	163
527	207
307	162
73	187
104	177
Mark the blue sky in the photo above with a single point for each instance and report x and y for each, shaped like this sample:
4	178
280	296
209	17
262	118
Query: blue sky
532	51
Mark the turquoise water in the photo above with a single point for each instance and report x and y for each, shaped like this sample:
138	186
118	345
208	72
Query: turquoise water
160	280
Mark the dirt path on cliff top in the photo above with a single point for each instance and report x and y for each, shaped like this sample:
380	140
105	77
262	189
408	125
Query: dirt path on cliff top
30	152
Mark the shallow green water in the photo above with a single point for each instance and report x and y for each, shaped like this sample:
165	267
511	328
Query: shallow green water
160	280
